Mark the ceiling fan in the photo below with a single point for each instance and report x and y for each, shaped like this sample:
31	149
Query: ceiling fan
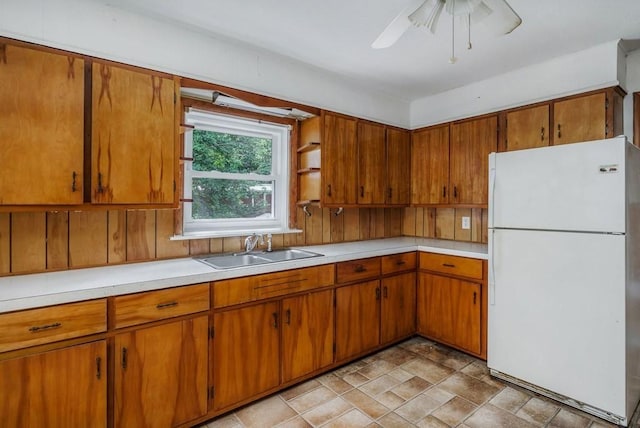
496	15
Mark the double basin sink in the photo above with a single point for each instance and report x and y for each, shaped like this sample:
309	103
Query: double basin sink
236	260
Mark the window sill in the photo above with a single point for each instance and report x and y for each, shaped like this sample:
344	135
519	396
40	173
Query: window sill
230	233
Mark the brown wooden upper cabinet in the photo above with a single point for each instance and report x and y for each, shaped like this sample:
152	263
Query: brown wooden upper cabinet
449	163
588	117
430	166
133	136
41	133
471	142
527	128
339	150
398	190
372	172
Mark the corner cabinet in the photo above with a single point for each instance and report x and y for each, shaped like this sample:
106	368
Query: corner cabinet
452	302
42	130
133	136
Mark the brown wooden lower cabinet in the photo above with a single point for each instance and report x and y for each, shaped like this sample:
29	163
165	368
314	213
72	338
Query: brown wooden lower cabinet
357	319
61	388
161	374
449	310
246	353
398	308
307	334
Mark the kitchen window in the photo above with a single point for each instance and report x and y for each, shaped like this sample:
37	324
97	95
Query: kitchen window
236	176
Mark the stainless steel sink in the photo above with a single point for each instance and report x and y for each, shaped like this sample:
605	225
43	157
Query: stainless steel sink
236	260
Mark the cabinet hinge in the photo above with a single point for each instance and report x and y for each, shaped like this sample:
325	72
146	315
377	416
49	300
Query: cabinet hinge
211	333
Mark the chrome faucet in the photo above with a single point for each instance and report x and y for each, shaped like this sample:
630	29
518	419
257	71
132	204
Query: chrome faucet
269	243
251	242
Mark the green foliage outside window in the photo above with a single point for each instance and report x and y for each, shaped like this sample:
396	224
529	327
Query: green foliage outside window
228	198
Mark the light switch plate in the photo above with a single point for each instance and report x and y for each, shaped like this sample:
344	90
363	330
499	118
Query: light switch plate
466	222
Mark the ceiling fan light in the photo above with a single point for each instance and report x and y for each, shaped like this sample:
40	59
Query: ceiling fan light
461	7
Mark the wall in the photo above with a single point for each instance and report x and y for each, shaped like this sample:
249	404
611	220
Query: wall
593	68
632	85
42	241
445	223
103	31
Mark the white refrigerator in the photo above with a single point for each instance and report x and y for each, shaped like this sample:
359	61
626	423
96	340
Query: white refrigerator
564	274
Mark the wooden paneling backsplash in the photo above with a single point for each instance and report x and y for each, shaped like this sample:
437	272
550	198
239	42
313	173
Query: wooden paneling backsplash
46	241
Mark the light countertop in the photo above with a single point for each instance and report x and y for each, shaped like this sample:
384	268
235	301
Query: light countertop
51	288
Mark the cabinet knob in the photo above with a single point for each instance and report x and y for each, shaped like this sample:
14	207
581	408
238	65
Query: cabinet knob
542	134
359	269
275	319
288	314
385	292
123	358
377	293
98	367
559	131
74	175
329	190
362	191
444	191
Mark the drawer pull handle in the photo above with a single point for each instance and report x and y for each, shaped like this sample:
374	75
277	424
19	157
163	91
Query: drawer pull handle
474	297
449	265
385	292
378	293
401	263
275	319
98	367
166	305
38	328
288	313
360	269
123	359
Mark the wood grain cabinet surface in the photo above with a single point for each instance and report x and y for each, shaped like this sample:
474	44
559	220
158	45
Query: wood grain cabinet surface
528	128
61	388
357	319
133	136
372	155
430	166
161	374
398	189
339	160
398	307
41	162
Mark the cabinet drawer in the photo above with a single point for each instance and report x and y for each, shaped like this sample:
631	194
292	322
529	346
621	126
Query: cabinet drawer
44	325
358	269
452	265
140	308
250	288
398	263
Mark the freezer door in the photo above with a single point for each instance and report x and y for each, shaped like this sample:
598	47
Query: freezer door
579	187
556	314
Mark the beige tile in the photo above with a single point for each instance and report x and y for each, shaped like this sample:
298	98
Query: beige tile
393	420
350	368
229	421
390	400
427	370
300	389
365	403
267	412
476	369
327	411
439	394
452	359
411	387
334	383
538	411
598	423
397	355
491	416
401	375
355	379
376	369
311	399
510	399
431	422
468	387
297	422
567	419
454	411
417	408
353	418
379	385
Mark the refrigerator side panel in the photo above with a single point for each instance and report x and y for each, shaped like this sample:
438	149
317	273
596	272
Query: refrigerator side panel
556	313
579	187
633	279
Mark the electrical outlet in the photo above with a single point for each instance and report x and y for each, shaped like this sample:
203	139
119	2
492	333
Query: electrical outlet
466	222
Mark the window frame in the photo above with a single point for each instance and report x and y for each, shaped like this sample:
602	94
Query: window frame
280	134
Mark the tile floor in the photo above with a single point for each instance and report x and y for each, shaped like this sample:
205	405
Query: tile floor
417	383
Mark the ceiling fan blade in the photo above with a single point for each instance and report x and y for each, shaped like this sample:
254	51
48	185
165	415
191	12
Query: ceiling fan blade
503	19
428	15
397	27
481	12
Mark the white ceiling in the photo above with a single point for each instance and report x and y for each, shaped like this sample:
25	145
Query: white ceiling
336	35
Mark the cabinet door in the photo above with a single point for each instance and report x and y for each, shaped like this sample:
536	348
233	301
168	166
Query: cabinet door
357	319
42	131
471	143
307	334
62	388
245	353
398	167
398	307
580	119
132	137
339	165
528	128
430	166
449	311
161	374
372	176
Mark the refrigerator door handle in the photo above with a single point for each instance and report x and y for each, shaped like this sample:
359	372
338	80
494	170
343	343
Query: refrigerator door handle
492	269
492	188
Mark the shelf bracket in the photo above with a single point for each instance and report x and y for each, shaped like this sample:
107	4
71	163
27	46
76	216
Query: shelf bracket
338	211
305	209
